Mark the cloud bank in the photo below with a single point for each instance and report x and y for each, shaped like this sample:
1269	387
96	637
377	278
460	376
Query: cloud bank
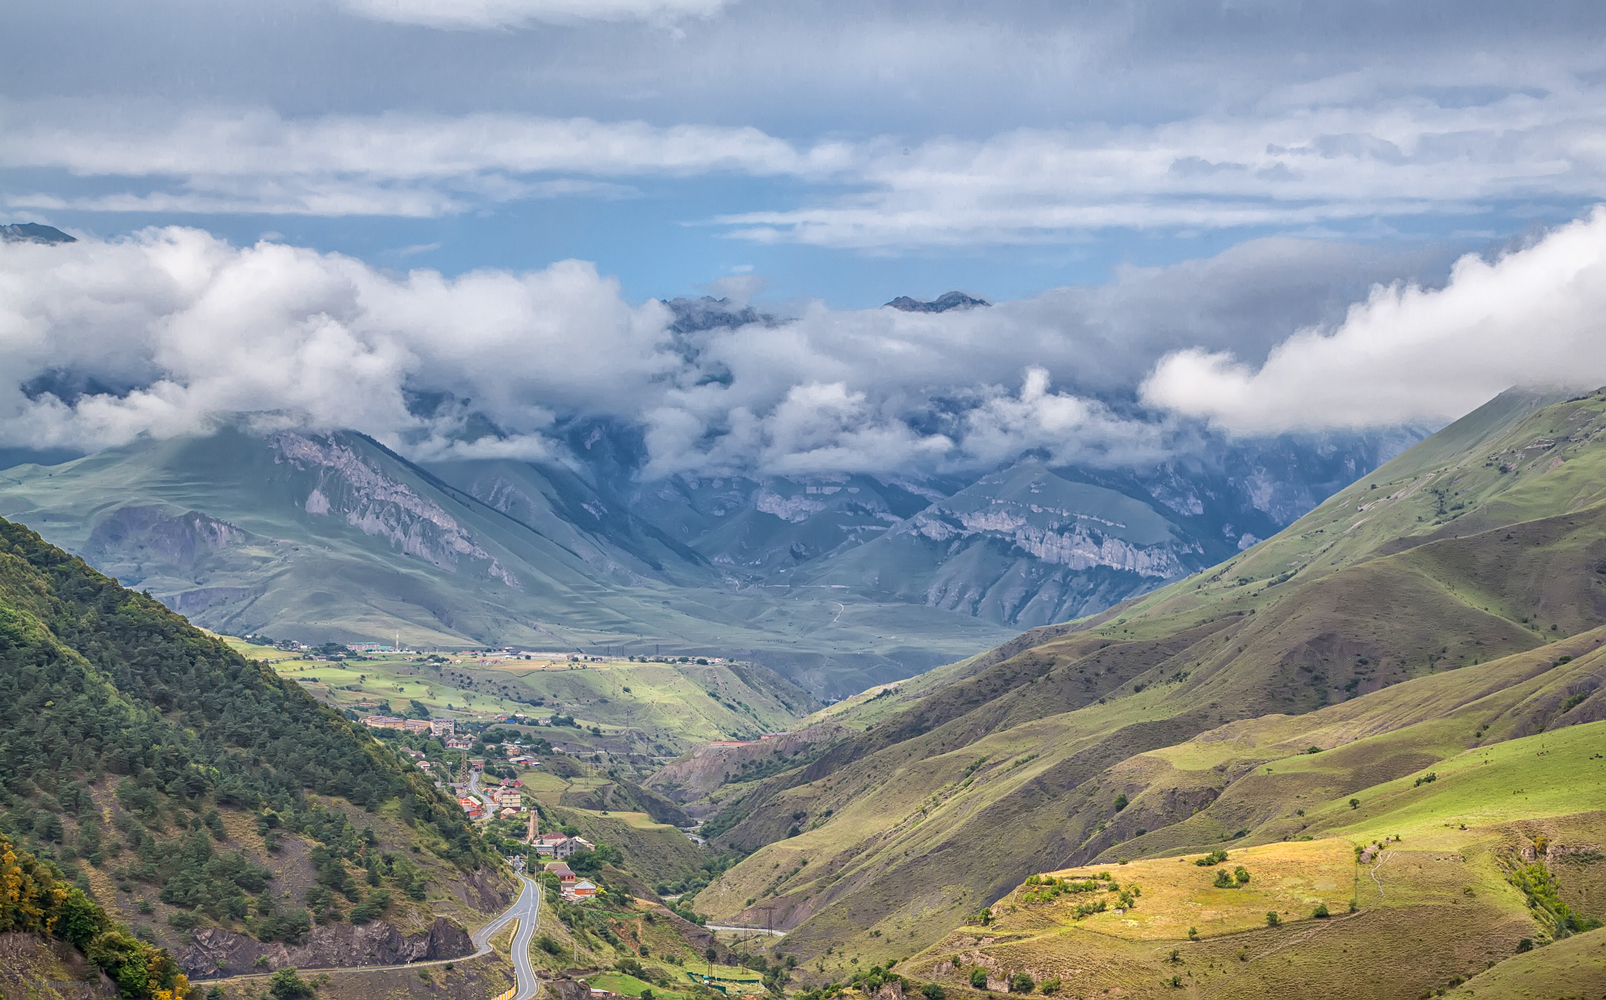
1303	166
172	330
213	160
1406	354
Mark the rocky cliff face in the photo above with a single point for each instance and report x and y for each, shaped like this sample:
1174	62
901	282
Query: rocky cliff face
152	533
1063	538
219	952
378	504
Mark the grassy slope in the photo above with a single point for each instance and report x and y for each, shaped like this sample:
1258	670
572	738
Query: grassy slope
656	852
1575	966
1433	909
1433	570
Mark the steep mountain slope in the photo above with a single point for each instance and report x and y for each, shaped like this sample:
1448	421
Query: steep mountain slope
1381	610
35	905
553	502
331	537
195	793
763	530
1023	545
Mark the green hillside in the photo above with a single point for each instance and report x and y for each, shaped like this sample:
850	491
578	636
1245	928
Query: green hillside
1442	603
212	807
35	901
1425	877
1578	963
334	538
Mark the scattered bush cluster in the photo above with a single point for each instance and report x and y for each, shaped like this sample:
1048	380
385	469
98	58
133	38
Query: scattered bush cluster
1539	885
1047	888
34	899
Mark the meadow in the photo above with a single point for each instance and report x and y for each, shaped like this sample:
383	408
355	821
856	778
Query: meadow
661	709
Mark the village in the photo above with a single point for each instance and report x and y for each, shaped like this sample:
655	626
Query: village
482	796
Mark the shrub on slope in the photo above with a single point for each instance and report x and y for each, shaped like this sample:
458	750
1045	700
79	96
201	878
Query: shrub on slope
34	899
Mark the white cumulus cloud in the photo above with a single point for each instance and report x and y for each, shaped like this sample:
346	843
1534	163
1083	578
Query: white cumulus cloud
169	331
172	330
1532	316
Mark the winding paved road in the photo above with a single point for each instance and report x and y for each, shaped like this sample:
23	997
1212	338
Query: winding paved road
526	909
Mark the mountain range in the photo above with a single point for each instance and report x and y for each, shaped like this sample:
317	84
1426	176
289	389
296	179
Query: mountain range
838	580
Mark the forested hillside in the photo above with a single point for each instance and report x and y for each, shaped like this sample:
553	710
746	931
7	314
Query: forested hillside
194	792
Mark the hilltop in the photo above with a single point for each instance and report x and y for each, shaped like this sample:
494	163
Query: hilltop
1446	602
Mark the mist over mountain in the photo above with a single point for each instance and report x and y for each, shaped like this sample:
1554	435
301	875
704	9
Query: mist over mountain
33	232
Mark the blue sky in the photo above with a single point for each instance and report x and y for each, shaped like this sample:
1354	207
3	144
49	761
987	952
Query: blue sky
846	151
1241	217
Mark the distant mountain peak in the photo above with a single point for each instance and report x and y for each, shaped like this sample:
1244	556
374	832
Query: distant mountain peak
708	313
33	232
952	300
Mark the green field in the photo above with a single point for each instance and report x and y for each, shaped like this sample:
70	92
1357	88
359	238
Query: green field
657	708
736	980
1549	774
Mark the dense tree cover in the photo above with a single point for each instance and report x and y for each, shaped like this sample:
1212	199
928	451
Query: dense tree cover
35	899
102	685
